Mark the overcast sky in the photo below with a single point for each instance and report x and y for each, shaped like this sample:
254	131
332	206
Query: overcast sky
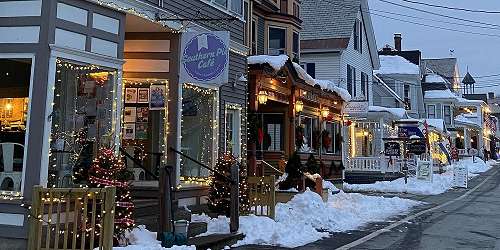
480	53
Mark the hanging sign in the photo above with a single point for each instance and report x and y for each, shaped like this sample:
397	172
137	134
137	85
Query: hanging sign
204	57
460	175
407	131
392	149
416	147
424	170
356	108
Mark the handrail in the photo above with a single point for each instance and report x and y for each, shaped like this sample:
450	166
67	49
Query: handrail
271	166
138	163
203	165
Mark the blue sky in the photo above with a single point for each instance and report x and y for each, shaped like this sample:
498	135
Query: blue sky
480	53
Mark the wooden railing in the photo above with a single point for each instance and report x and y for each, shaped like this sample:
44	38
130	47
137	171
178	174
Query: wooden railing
262	195
71	218
373	164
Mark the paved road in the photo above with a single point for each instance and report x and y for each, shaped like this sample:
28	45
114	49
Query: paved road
472	222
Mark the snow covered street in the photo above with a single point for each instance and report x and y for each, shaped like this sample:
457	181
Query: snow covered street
440	184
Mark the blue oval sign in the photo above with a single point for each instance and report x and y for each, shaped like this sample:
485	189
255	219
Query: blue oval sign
205	57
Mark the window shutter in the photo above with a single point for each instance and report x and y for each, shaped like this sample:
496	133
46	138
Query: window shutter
311	69
349	79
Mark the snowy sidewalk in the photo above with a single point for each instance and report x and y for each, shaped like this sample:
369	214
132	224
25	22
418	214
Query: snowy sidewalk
440	184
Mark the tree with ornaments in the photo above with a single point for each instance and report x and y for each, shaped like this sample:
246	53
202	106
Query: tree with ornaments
219	197
107	169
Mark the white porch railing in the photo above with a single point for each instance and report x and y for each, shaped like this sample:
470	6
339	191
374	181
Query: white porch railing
462	152
372	164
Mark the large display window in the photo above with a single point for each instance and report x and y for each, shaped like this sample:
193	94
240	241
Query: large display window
15	80
83	119
199	126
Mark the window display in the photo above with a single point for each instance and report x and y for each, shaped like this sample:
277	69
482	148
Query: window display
198	129
82	119
307	134
271	132
15	76
332	138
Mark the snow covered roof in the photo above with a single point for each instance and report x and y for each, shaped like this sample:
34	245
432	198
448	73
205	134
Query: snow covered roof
277	62
434	78
397	65
324	84
398	112
468	119
440	94
464	101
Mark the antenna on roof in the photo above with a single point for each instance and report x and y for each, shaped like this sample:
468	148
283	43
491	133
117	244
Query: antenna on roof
452	52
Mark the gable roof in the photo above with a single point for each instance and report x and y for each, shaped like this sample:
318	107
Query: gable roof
328	25
442	66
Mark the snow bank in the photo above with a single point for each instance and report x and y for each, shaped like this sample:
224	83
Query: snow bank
142	239
324	84
440	184
398	112
396	65
277	62
306	218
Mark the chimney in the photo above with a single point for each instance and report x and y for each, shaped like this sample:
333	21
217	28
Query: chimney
397	41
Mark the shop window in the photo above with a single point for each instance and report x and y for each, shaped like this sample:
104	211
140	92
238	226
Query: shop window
233	132
307	134
270	132
199	124
277	41
364	134
332	138
15	77
431	111
82	119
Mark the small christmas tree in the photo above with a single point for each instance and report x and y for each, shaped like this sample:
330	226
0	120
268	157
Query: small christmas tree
109	170
312	166
219	197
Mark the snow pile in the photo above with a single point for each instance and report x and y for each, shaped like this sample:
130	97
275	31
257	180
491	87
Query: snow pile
434	78
324	84
440	184
328	185
306	218
398	112
440	94
277	62
397	65
142	239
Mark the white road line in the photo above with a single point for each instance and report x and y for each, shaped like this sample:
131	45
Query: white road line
411	217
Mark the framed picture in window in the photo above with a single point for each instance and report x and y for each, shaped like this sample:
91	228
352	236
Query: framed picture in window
129	131
130	95
142	95
129	114
141	131
157	94
142	114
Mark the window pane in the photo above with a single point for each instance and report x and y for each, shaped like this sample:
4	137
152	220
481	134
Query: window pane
198	107
81	120
236	6
272	132
221	2
15	77
277	41
311	69
364	135
296	44
307	134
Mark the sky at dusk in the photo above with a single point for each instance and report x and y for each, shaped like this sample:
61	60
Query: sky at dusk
480	53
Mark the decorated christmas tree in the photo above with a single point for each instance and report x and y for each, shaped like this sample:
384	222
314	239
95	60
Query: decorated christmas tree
109	170
219	197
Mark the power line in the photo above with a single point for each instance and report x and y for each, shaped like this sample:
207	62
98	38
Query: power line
436	27
453	8
435	20
441	15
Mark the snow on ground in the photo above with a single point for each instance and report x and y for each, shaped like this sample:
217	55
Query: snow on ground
440	184
306	218
142	239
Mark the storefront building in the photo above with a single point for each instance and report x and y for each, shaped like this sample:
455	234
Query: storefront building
82	75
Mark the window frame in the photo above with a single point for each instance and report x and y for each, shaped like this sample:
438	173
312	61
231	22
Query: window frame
296	54
310	66
429	113
349	79
260	117
335	125
236	112
449	116
407	98
32	57
269	40
253	38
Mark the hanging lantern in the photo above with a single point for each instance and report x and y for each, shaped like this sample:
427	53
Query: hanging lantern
299	106
262	97
325	111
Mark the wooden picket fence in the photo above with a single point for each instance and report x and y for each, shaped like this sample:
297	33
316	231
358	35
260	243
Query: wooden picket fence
71	218
262	195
